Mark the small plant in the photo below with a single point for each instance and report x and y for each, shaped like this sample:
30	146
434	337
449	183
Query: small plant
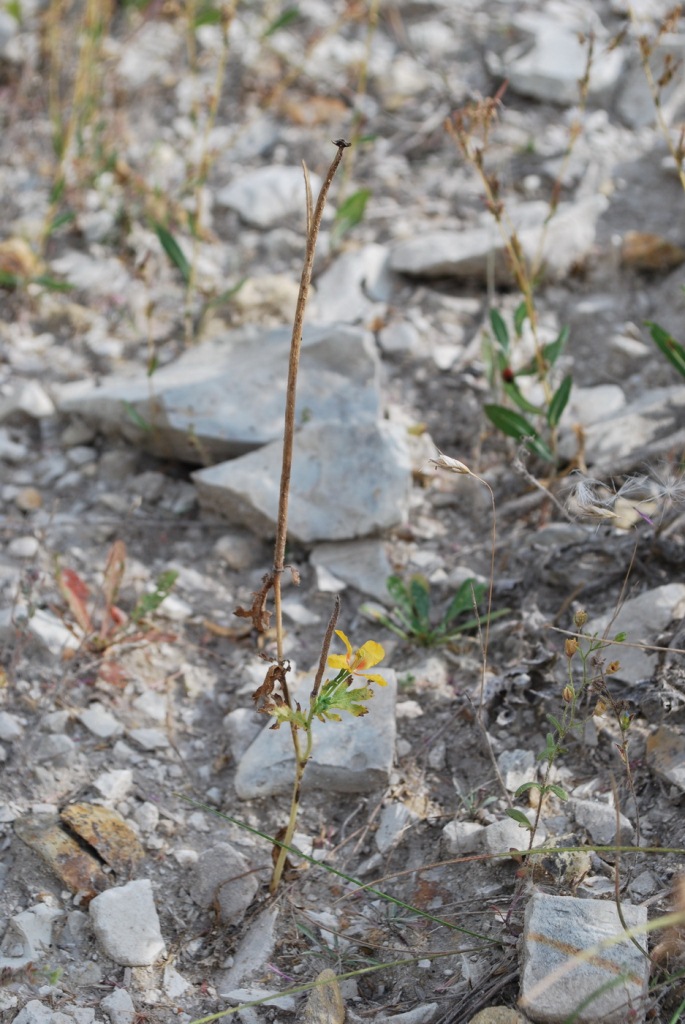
539	437
411	618
98	621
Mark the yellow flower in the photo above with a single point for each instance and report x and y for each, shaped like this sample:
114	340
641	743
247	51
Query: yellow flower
357	662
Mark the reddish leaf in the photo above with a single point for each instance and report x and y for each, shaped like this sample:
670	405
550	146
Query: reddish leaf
75	593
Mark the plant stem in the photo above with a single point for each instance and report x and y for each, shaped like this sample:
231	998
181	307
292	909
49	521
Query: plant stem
313	224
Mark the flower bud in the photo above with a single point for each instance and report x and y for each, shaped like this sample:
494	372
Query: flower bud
580	618
570	646
613	667
568	693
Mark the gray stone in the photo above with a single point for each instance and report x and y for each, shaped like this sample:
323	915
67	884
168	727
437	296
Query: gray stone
100	722
239	551
267	196
48	630
119	1007
619	441
222	879
641	619
634	101
11	727
57	750
362	564
399	338
351	288
103	276
10	450
126	924
394	819
36	1012
149	739
551	60
326	460
28	936
242	727
566	241
253	951
226	397
354	755
517	767
599	821
666	755
173	983
580	924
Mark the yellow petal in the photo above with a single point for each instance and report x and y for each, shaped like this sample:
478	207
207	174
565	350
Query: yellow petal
369	654
338	661
344	639
377	679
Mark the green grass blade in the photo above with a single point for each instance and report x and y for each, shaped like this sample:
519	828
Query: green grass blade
173	251
672	349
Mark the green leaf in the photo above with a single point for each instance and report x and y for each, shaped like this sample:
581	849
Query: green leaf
62	218
559	401
464	599
8	280
525	787
173	251
519	817
135	417
149	603
520	317
499	329
472	623
556	723
552	351
419	590
52	284
377	616
289	15
349	213
226	296
620	637
672	349
512	390
514	425
207	15
557	790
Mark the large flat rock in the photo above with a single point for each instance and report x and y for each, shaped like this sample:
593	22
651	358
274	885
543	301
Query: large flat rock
354	755
226	397
348	481
564	242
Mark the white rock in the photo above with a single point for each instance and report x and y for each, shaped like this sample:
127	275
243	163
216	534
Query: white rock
103	276
148	54
462	837
239	551
101	722
351	756
173	983
28	398
267	196
505	835
581	924
568	239
49	631
119	1007
23	547
624	437
550	63
246	490
114	785
126	924
642	618
246	995
399	338
36	1012
149	739
152	704
408	709
11	451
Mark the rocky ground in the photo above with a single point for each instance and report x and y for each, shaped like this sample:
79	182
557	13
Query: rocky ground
152	243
